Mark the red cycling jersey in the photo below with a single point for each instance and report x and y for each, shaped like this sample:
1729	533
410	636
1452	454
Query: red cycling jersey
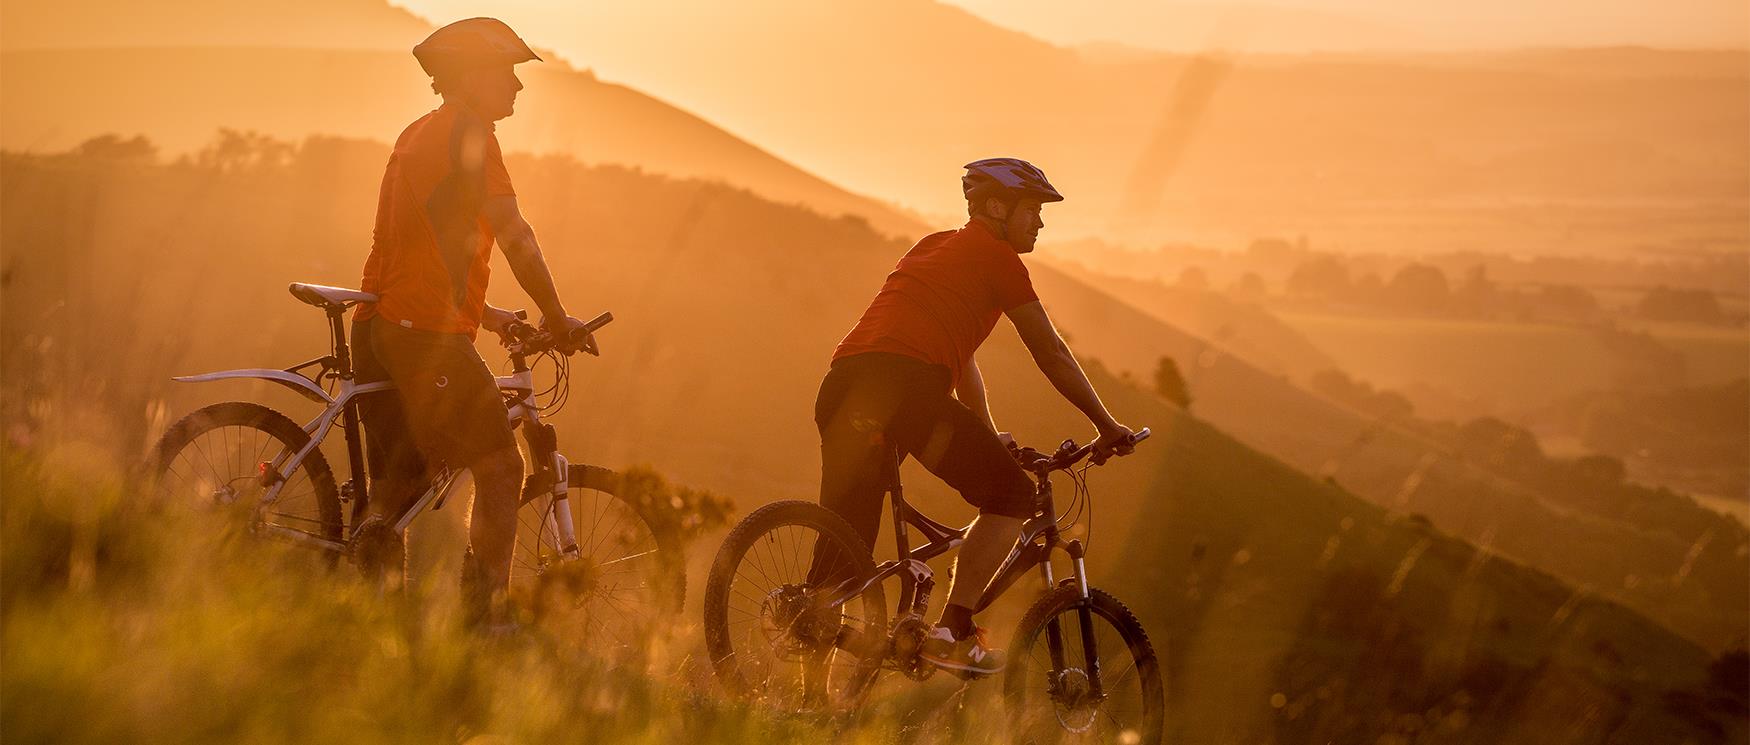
942	300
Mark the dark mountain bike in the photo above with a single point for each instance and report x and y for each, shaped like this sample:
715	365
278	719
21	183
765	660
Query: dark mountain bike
802	633
582	546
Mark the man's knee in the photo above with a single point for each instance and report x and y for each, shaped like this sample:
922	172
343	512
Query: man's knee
1010	504
499	472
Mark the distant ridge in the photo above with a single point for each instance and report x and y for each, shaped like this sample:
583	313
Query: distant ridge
178	71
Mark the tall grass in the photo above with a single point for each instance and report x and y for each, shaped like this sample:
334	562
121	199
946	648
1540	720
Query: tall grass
122	620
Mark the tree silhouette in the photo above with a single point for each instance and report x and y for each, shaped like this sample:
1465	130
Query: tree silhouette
1170	383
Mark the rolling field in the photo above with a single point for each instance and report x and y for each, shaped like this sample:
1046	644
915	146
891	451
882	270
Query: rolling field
1506	366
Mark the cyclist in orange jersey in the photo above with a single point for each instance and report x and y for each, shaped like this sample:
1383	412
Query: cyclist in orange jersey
446	197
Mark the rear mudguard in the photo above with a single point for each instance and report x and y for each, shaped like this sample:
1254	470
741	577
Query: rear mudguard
290	380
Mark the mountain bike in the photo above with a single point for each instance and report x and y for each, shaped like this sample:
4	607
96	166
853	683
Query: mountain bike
604	554
795	614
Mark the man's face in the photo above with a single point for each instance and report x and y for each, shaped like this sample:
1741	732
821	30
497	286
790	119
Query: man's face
492	91
1024	225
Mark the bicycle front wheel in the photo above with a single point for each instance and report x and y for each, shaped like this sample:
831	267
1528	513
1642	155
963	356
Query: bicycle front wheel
787	621
225	454
622	580
1083	670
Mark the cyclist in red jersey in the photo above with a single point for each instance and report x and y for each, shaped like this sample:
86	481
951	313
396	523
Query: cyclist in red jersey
446	198
905	376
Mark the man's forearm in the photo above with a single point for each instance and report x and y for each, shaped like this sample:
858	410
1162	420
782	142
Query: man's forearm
1066	375
524	256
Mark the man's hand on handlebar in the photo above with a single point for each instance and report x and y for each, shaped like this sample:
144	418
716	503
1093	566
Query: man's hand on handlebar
1114	439
571	334
499	321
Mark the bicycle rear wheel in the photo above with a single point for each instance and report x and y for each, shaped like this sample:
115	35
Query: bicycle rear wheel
222	454
771	629
1063	645
628	577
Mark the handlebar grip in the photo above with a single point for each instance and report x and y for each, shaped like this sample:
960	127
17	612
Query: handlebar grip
1140	435
577	336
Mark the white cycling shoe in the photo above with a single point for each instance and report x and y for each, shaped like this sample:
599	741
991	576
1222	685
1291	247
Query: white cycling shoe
969	657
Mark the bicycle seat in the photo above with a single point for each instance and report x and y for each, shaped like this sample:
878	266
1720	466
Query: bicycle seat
323	296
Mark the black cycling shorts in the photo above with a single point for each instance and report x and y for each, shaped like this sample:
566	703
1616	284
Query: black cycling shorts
445	408
871	402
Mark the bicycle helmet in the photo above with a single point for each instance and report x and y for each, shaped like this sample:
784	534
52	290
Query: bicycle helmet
469	44
1000	177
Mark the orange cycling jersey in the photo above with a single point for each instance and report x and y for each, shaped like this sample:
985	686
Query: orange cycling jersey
429	251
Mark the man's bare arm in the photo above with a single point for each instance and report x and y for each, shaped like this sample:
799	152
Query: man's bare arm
516	239
1061	368
970	391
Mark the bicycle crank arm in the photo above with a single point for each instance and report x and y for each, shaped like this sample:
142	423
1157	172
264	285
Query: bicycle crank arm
304	539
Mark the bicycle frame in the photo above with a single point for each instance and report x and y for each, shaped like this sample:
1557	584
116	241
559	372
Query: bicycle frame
518	389
1039	537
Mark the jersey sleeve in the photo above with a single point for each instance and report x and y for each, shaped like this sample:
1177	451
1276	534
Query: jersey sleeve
1011	285
497	176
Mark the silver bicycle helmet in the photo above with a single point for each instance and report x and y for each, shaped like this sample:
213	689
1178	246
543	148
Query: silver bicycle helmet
471	43
996	176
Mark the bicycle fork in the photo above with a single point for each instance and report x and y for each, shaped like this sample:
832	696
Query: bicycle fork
559	511
556	477
1085	618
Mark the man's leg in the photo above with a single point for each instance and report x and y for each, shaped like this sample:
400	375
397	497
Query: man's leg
456	415
492	527
958	447
851	411
988	543
396	467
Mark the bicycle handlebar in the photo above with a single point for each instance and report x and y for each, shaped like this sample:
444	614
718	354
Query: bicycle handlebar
1069	453
526	339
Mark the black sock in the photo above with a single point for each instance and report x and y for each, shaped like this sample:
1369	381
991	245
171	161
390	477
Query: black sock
958	620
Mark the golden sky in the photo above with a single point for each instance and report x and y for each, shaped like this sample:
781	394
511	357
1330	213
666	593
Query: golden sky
1347	24
1280	25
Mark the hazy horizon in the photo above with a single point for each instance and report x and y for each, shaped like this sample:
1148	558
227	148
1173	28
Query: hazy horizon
1370	25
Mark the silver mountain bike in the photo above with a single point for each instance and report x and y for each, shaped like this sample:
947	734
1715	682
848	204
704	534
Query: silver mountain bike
582	542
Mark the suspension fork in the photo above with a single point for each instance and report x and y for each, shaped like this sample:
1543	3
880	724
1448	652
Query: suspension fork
1084	609
552	471
1085	614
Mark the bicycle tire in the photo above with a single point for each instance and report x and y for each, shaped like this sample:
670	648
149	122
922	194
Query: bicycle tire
733	648
634	537
312	503
1028	713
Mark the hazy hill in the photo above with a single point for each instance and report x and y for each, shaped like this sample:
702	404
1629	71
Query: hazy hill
1644	563
1550	151
1243	329
1264	581
177	87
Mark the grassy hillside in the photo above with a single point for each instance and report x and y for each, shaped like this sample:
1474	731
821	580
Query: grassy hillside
1648	566
1276	595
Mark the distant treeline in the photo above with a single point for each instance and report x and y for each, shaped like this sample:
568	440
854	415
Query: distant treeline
1705	428
1701	287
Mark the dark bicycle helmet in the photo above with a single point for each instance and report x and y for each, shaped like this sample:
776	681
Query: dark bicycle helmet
1006	176
470	44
